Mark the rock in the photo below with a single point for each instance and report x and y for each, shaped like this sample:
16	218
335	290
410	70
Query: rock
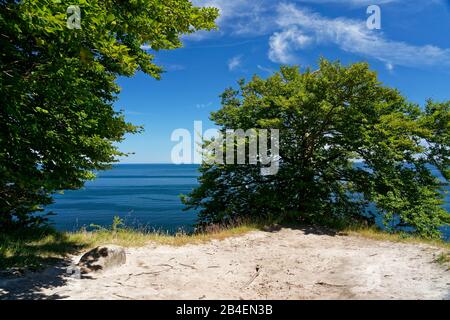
102	258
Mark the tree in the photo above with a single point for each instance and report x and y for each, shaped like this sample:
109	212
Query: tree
57	88
346	142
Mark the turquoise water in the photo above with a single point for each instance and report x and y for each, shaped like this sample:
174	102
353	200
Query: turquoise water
144	195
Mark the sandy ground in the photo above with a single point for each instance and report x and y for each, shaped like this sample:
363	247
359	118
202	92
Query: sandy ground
283	264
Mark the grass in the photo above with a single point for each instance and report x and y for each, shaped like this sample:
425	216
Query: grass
34	248
443	259
373	233
37	248
133	238
377	234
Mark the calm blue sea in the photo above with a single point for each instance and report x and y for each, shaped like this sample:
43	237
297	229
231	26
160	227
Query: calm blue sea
144	195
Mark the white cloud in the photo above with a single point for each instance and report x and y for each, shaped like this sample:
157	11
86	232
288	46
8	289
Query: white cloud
256	17
234	63
203	105
389	66
283	44
265	69
238	17
350	36
293	28
354	2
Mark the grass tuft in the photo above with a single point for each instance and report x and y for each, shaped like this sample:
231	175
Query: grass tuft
443	259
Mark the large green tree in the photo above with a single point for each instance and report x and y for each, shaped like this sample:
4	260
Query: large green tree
346	141
57	88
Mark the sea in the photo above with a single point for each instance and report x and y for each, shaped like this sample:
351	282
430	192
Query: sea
145	196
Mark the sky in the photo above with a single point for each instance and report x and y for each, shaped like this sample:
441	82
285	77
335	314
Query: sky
410	52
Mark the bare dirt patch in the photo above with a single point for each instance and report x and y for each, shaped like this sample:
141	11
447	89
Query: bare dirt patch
282	264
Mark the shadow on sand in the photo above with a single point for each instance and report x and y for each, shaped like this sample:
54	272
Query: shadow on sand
31	285
32	260
307	229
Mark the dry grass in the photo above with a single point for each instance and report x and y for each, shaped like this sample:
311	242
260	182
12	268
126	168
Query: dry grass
133	238
38	248
377	234
442	258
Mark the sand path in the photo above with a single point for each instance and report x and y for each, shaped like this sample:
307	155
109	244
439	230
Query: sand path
283	264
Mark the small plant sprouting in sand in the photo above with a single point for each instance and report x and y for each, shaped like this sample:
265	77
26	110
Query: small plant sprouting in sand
443	259
116	225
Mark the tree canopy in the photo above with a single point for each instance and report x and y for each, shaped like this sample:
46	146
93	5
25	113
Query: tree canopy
346	142
57	88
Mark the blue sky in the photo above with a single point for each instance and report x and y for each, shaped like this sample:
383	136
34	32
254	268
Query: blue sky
410	52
